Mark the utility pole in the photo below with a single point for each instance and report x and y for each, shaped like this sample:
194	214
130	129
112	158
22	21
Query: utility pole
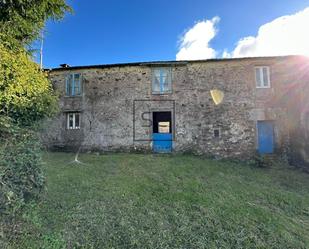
41	50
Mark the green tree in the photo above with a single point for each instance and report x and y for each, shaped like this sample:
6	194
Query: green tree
26	94
26	97
22	20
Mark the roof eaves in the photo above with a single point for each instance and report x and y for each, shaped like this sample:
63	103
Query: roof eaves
164	63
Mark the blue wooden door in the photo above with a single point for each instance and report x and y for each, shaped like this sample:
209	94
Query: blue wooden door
162	142
265	137
162	137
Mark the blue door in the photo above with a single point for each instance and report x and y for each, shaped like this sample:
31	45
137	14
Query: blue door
265	137
162	142
162	136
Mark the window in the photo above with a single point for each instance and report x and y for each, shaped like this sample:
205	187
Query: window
162	80
73	120
217	133
73	85
262	77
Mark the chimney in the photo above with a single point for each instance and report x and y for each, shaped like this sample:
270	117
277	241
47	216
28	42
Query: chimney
64	65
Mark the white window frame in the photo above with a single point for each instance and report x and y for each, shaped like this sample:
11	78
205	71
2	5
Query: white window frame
74	127
260	69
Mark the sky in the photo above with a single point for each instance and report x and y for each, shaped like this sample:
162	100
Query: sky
121	31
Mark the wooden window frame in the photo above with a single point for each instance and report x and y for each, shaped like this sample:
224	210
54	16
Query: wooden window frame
70	85
161	82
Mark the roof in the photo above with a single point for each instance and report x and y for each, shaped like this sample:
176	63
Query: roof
163	63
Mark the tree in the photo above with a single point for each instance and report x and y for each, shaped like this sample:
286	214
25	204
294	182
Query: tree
22	20
26	97
26	93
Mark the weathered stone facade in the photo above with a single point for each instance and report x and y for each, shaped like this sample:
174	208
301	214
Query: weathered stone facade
114	96
295	95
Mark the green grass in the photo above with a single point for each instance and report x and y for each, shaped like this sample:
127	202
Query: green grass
167	201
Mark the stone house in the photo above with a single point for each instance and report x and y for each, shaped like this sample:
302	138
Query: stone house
168	106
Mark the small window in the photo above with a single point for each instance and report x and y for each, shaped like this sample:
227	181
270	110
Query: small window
216	133
73	120
262	77
73	85
162	80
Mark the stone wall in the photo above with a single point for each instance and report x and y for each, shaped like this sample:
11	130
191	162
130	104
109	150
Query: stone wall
297	96
110	94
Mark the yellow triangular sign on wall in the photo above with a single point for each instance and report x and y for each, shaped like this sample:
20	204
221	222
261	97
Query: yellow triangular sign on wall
217	96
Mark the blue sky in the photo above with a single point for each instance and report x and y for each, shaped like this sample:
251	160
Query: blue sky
117	31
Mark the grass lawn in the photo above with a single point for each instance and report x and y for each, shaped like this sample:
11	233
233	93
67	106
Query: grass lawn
167	201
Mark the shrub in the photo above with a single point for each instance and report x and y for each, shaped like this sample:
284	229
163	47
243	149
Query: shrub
21	177
263	161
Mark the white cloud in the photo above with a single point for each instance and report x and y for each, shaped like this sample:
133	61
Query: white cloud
226	54
283	36
194	44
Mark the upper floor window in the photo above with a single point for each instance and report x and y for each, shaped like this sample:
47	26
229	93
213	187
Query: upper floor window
162	80
73	120
73	85
262	77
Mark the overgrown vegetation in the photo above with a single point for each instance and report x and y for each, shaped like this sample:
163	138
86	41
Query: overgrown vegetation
26	97
21	178
165	201
26	93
